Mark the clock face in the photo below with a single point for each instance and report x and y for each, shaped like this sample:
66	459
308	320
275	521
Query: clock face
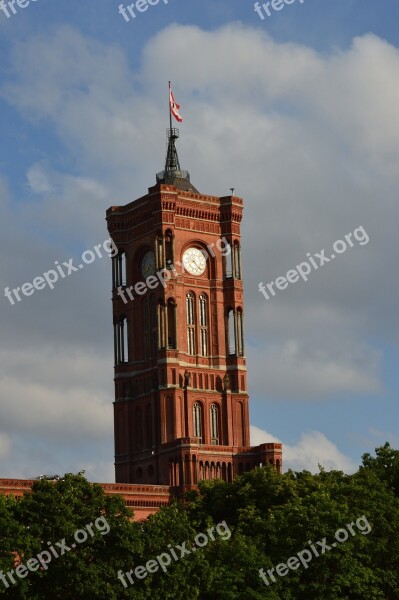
194	261
148	264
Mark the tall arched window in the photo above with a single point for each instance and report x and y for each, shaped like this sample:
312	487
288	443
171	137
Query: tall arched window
203	322
121	349
240	333
228	260
237	261
162	325
190	314
214	424
197	420
169	249
119	269
230	332
171	306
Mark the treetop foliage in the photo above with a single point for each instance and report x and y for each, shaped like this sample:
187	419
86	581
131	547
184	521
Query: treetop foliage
268	519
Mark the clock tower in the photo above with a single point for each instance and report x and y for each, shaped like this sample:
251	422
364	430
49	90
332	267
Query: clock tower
181	401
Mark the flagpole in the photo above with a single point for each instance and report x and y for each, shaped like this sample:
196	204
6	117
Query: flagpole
170	110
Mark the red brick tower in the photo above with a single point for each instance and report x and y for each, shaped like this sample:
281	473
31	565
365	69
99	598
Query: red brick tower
181	401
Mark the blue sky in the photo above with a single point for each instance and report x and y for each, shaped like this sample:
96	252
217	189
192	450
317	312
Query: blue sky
299	113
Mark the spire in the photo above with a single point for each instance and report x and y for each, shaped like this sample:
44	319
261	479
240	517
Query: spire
172	160
172	174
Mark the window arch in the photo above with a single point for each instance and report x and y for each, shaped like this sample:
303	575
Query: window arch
203	324
197	420
190	316
214	424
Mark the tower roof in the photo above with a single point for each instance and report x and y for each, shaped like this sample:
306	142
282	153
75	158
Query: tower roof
172	174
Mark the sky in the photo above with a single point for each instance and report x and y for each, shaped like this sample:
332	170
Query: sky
299	112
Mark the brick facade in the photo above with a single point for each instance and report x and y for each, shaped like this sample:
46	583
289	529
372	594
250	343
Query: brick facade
160	381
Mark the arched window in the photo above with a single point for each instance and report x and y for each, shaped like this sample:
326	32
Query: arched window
203	323
169	249
160	252
171	307
119	269
228	260
237	260
162	325
121	341
197	420
190	315
240	333
214	424
230	331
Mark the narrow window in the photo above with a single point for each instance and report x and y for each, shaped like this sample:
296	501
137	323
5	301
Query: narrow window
203	322
214	424
237	261
197	416
171	324
162	325
121	341
228	261
240	333
231	338
119	270
169	249
190	315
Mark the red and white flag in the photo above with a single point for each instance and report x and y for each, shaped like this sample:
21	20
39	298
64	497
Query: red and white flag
174	107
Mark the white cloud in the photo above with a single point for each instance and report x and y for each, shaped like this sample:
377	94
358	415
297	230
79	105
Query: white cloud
56	393
312	449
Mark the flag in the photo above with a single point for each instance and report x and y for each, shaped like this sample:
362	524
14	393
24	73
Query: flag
174	107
